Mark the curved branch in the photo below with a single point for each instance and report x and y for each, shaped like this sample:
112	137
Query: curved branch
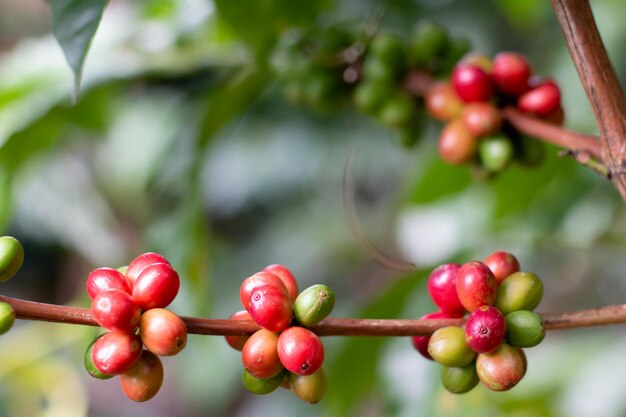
30	310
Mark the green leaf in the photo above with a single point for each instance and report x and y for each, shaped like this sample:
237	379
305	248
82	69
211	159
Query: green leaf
74	24
439	180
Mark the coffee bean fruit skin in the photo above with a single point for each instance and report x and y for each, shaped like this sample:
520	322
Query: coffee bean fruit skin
427	42
442	102
495	152
471	83
448	347
116	310
388	49
442	289
500	370
260	355
510	73
259	279
271	308
541	100
162	332
300	351
237	342
369	96
459	380
140	263
309	388
524	328
286	277
116	352
314	304
420	343
502	264
7	317
476	286
485	329
11	257
156	286
456	144
261	386
397	111
103	279
375	70
90	366
519	291
143	381
481	119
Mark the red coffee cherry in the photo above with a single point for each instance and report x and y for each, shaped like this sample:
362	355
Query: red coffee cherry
156	286
237	342
420	343
476	286
502	264
541	100
510	73
456	144
271	308
481	119
286	277
116	352
300	350
142	382
260	355
259	279
103	279
442	102
501	370
162	332
471	83
140	263
442	289
485	329
116	310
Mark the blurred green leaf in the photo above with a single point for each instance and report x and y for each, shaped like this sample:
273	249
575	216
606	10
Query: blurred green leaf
439	180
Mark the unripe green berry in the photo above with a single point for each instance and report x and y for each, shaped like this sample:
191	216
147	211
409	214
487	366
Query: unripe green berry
320	88
495	152
389	49
314	304
309	388
524	328
448	347
11	257
368	96
429	41
7	317
260	386
459	380
398	111
373	69
519	291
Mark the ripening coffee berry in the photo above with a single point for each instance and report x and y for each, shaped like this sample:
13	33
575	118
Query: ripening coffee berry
271	308
500	370
448	347
314	304
162	332
420	343
481	119
103	279
542	100
442	289
237	342
136	267
260	355
510	73
11	257
485	329
309	388
442	102
477	59
261	386
7	317
300	350
90	366
471	83
286	277
259	279
524	328
142	382
156	286
116	310
495	152
456	144
459	380
116	352
519	291
502	264
476	286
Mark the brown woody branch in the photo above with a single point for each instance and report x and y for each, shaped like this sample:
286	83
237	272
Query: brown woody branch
30	310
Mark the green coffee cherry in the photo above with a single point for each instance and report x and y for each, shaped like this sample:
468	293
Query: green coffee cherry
495	152
448	347
11	257
455	51
519	291
429	41
309	388
7	317
370	95
261	386
398	111
314	304
320	88
524	328
459	380
373	69
389	49
90	366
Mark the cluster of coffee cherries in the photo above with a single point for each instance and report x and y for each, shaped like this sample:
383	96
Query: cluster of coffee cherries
130	302
284	352
11	259
500	300
471	104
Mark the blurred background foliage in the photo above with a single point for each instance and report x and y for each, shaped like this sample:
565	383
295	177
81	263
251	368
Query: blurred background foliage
182	143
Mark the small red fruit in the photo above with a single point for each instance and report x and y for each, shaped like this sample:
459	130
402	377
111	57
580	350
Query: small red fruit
116	352
502	264
142	382
136	267
103	279
271	308
503	369
456	144
420	343
259	279
260	355
442	289
471	83
476	286
541	100
237	342
116	310
156	286
442	102
300	350
286	277
510	73
485	329
481	119
162	332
